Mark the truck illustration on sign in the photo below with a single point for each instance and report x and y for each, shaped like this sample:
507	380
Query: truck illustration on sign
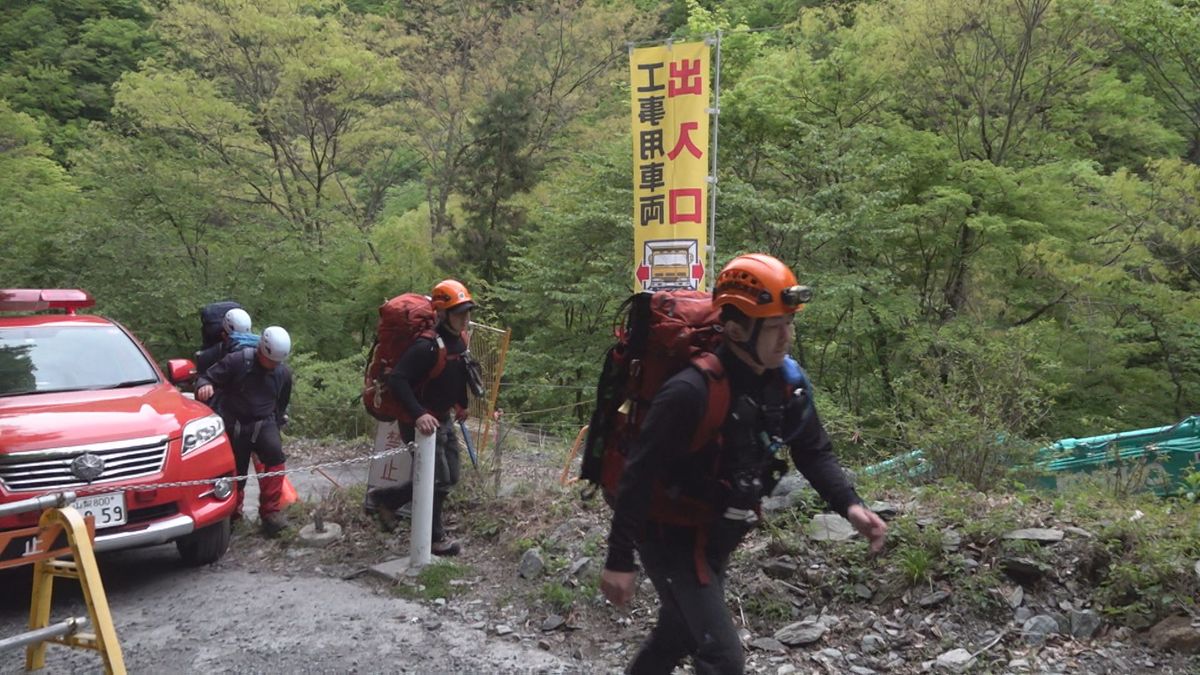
670	263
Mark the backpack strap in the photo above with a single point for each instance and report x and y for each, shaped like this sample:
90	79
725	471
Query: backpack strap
717	407
688	511
438	365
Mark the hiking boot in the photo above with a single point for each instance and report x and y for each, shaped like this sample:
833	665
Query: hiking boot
386	519
274	523
446	548
384	516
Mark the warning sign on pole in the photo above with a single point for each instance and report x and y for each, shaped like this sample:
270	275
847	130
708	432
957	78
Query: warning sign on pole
670	115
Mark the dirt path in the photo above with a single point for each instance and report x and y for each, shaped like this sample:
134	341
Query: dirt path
236	616
230	619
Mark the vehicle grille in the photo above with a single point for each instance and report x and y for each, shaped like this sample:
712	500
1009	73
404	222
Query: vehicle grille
48	470
152	513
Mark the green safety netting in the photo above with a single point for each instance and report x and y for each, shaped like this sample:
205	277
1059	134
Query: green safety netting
1157	458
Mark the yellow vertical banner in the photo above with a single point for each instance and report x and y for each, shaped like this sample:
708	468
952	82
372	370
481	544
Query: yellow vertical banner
669	105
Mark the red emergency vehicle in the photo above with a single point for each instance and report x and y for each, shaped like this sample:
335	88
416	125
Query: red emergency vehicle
84	408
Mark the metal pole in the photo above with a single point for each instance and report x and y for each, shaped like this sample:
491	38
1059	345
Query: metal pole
68	627
420	548
54	501
712	179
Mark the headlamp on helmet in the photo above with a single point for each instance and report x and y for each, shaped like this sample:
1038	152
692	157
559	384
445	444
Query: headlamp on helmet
794	296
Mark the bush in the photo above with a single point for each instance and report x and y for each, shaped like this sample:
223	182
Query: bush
325	398
970	402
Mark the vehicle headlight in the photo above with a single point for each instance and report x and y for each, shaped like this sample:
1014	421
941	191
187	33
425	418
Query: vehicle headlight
200	432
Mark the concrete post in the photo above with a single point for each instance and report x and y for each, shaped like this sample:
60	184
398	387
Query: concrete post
420	550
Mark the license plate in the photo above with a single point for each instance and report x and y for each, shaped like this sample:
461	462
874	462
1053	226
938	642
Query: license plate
108	510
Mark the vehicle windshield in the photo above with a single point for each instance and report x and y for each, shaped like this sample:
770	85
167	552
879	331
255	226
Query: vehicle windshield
44	359
670	259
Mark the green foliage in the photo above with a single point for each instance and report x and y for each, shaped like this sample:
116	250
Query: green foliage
973	399
916	565
765	608
1191	487
558	596
433	581
1150	571
996	208
918	552
567	284
326	398
499	167
38	196
59	60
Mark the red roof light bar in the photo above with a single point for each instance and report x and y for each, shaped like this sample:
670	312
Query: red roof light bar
37	299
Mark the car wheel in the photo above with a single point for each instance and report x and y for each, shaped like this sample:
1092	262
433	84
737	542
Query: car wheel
206	545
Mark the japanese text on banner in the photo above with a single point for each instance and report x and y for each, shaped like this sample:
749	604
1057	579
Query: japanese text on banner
670	102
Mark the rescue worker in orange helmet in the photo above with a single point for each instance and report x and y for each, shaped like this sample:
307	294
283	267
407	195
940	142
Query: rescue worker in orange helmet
758	298
434	403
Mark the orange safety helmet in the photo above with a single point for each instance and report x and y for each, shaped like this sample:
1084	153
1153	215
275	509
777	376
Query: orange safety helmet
450	294
761	286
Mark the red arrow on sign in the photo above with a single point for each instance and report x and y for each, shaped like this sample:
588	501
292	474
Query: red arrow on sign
643	273
698	271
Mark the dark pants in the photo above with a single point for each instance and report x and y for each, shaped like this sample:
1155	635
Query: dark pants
446	466
260	438
692	616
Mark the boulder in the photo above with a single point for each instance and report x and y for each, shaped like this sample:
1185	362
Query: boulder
791	482
1038	628
801	634
884	509
955	660
1024	571
872	643
768	644
1176	634
579	566
531	564
934	598
1085	623
831	527
1039	534
780	568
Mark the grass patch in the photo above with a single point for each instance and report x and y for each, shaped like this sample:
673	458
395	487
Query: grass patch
433	581
766	609
558	596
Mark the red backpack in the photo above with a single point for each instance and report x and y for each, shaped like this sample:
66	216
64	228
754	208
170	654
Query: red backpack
402	320
663	333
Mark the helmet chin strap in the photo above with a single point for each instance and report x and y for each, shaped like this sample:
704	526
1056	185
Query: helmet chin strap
750	345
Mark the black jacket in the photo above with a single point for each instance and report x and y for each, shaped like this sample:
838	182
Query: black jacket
248	391
208	357
663	451
439	395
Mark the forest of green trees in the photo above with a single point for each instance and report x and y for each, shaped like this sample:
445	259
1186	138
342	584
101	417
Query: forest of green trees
996	202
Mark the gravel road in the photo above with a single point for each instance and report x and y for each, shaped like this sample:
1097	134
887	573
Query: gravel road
225	618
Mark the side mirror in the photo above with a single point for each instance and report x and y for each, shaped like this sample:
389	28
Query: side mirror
181	371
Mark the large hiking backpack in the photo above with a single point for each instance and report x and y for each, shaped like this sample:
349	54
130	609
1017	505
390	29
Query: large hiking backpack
663	333
402	320
211	316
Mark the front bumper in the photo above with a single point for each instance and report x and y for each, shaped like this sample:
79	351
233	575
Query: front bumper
157	532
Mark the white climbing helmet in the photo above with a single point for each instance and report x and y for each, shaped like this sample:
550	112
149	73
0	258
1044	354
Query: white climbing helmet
275	344
236	321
